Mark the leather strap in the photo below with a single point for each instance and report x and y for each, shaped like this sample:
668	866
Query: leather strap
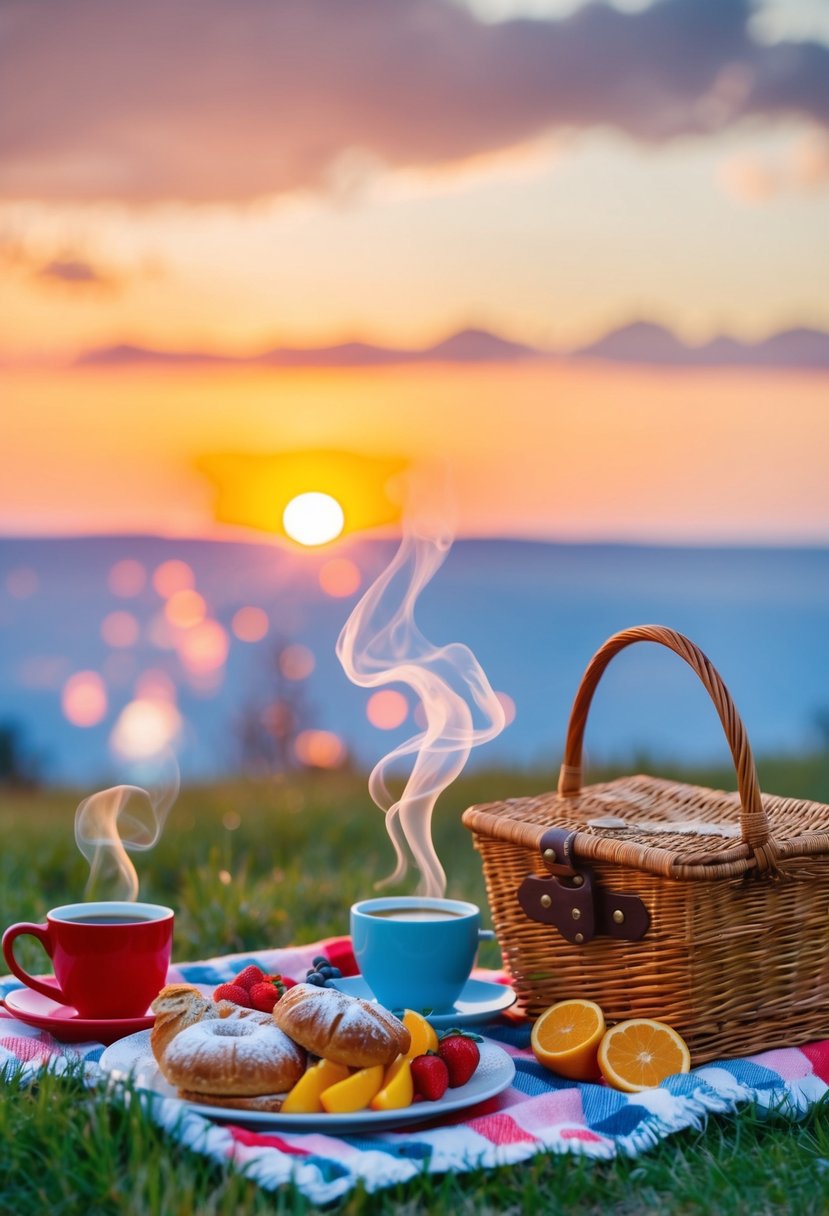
557	851
574	902
570	909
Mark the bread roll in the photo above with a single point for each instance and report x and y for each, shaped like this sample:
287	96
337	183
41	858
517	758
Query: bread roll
341	1028
241	1055
176	1007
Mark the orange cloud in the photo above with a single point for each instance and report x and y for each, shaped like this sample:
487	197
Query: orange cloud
802	169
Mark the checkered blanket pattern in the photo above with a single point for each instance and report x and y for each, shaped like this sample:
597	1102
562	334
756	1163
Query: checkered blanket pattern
538	1113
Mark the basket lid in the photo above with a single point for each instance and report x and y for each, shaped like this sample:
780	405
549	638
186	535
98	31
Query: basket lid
663	827
666	827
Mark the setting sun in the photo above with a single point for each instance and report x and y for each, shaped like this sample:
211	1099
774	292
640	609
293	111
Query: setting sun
313	519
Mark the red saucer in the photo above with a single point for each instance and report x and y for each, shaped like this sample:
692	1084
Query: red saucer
65	1023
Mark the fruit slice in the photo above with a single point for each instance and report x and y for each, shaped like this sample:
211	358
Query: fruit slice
638	1054
304	1098
566	1038
398	1087
424	1035
354	1093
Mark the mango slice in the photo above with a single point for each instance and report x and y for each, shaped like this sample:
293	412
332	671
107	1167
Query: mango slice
398	1087
354	1093
424	1036
304	1098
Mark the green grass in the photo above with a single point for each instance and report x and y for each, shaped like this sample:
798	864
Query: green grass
253	867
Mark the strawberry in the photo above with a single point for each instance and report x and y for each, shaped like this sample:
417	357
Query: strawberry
460	1054
265	994
232	992
250	976
430	1076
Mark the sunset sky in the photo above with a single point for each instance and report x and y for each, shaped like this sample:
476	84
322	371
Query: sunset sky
225	178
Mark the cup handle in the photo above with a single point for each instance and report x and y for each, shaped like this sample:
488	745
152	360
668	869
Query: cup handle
41	932
486	935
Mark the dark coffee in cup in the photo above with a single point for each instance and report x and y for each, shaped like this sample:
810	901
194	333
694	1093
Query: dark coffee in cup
110	957
107	920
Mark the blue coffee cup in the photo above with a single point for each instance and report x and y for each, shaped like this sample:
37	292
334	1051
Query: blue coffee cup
416	953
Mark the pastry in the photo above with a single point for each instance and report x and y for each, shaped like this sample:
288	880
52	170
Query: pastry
238	1056
262	1102
342	1028
178	1006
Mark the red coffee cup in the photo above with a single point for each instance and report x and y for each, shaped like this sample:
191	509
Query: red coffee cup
110	959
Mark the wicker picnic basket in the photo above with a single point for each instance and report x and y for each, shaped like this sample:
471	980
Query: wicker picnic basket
702	909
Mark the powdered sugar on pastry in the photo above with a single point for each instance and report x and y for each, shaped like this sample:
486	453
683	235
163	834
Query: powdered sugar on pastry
178	1006
342	1028
240	1055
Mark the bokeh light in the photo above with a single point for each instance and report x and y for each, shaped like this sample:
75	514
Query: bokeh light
127	578
313	519
84	699
250	624
319	749
340	577
144	728
387	709
22	582
203	649
161	634
296	662
120	629
172	576
155	684
185	608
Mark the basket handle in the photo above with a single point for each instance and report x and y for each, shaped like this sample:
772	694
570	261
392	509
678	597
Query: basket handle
753	822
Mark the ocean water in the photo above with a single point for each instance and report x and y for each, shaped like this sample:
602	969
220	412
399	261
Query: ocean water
533	614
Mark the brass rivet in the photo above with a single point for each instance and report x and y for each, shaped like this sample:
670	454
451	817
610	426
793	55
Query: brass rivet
545	901
578	881
575	913
619	917
579	938
549	854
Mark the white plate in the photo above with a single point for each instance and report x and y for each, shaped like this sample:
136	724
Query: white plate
132	1057
480	1001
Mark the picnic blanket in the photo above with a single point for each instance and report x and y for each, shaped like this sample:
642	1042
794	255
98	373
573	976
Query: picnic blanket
538	1113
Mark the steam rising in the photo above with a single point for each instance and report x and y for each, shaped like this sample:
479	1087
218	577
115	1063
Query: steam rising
111	823
381	644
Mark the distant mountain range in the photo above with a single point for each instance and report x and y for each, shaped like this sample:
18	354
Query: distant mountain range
641	342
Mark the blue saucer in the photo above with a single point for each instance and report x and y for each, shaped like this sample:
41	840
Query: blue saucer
480	1001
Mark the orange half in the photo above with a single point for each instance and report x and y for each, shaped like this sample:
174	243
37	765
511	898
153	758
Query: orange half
639	1054
566	1038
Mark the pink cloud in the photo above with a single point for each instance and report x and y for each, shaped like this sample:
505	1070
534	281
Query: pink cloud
232	100
803	168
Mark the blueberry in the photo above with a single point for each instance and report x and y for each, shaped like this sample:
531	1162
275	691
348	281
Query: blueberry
320	959
314	977
335	973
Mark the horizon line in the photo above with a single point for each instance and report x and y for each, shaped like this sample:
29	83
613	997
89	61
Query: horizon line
639	341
